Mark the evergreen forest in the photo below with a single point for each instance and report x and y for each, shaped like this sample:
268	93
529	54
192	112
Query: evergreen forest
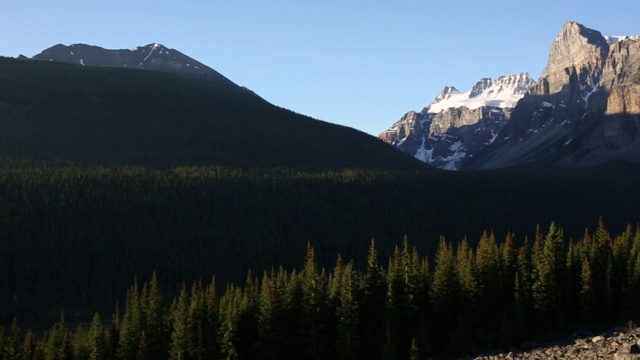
146	216
74	237
464	300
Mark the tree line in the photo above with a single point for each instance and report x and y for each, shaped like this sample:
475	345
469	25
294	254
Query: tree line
466	299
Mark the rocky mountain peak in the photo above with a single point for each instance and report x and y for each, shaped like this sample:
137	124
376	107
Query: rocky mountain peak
576	51
480	86
153	56
517	83
446	93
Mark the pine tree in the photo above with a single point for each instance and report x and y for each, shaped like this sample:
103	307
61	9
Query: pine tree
347	337
229	312
156	334
12	349
398	306
247	325
549	266
372	307
522	296
98	344
270	321
466	274
132	325
444	298
179	346
314	307
210	341
587	298
32	349
57	343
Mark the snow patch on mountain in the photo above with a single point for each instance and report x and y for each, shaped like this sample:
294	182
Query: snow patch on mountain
612	39
504	92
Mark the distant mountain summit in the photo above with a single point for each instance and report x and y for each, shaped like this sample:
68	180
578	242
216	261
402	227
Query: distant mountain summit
583	111
456	125
151	57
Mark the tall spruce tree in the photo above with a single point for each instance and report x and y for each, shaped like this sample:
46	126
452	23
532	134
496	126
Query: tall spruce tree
549	271
445	292
372	307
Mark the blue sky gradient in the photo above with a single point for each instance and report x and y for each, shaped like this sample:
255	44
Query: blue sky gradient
361	64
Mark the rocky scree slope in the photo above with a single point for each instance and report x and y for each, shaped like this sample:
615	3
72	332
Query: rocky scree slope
615	344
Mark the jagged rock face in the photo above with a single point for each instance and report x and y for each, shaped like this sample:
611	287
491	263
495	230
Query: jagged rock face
407	126
456	125
584	111
621	77
577	51
150	57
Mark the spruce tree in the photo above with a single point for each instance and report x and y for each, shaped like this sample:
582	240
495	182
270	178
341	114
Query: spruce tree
548	286
372	307
98	343
179	346
445	290
587	297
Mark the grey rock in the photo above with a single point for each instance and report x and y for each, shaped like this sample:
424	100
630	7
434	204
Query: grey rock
583	111
151	57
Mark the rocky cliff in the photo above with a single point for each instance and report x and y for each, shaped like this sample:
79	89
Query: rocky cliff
583	110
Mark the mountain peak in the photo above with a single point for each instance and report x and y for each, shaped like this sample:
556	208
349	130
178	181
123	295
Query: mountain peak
154	56
480	86
446	93
575	48
572	30
504	92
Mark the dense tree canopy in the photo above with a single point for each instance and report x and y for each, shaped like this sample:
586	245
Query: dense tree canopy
473	299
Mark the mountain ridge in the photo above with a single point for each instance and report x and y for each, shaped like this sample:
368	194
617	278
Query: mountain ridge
153	56
586	91
109	115
456	125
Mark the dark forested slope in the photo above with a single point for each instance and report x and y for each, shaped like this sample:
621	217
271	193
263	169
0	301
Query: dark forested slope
116	116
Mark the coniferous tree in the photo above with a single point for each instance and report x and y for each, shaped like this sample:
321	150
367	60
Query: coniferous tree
57	343
465	272
12	349
294	317
156	334
398	306
32	348
372	307
444	298
132	325
98	342
315	308
549	266
210	341
347	337
587	297
229	312
271	317
179	316
522	296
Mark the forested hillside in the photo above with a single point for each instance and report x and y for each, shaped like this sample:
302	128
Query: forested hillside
464	300
118	116
73	236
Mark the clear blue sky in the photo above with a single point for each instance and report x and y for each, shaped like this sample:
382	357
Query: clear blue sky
361	64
